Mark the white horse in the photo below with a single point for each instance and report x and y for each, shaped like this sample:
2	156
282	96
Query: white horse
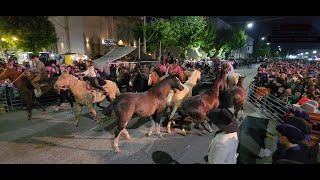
83	96
232	79
175	98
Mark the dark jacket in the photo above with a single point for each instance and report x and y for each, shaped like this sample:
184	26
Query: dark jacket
299	154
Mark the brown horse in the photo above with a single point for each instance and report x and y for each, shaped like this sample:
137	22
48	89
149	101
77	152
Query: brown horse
149	104
154	78
198	106
234	97
25	88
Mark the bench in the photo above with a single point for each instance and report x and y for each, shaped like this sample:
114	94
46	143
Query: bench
315	135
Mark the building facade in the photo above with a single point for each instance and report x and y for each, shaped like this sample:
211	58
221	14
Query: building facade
85	35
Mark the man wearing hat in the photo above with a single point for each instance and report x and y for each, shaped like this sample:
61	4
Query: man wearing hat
295	152
92	76
39	71
223	147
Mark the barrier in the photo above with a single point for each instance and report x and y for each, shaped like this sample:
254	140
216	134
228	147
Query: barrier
4	107
269	105
10	99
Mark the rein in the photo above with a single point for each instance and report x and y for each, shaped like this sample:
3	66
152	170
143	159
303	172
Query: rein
15	79
3	72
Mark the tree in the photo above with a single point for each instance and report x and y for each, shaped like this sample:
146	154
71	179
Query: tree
188	30
222	40
26	33
156	31
209	36
261	49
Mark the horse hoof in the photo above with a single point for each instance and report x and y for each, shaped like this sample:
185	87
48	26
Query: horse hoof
184	133
160	136
149	134
128	138
75	124
169	131
117	151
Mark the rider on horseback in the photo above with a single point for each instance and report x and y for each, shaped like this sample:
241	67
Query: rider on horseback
91	76
39	71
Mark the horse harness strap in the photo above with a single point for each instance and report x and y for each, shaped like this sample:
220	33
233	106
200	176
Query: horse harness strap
3	72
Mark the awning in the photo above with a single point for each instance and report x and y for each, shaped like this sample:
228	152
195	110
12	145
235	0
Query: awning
119	52
116	53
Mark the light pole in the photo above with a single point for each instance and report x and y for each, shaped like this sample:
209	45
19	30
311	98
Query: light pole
144	35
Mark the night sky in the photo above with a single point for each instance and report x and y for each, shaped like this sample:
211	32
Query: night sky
263	28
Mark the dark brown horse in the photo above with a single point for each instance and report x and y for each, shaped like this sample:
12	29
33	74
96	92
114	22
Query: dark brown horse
235	96
25	88
149	104
198	106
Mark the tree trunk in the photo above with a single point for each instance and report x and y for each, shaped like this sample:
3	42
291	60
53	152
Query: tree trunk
5	54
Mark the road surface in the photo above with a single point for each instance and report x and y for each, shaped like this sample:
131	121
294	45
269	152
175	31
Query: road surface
52	138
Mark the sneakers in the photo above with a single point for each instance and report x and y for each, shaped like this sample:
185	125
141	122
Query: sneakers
37	93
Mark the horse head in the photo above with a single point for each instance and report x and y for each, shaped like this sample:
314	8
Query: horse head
153	78
175	83
63	81
133	77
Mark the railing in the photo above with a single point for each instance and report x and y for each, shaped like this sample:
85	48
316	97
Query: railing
10	99
269	105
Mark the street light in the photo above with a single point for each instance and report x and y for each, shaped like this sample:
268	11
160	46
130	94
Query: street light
249	25
14	38
3	39
262	38
306	53
268	43
314	52
278	46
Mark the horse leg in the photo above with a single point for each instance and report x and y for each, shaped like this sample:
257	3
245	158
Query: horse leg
236	110
183	131
209	129
151	128
121	127
242	109
128	137
94	114
79	107
38	103
157	118
175	108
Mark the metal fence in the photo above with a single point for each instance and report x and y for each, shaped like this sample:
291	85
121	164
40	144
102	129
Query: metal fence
268	105
10	99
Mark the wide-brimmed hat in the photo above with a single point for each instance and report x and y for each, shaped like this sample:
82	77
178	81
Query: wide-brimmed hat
291	132
89	60
34	56
224	120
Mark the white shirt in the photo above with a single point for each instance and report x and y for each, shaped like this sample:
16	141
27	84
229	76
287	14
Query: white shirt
90	72
223	149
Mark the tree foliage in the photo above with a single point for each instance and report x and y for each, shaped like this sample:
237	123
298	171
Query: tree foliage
209	37
261	49
27	33
189	31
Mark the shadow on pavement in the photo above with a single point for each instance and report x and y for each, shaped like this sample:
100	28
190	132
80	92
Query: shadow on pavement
160	157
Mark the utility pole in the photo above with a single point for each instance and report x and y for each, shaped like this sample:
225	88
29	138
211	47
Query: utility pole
67	33
139	50
144	35
160	53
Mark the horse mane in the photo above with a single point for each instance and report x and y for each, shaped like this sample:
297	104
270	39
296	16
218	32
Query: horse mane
158	86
